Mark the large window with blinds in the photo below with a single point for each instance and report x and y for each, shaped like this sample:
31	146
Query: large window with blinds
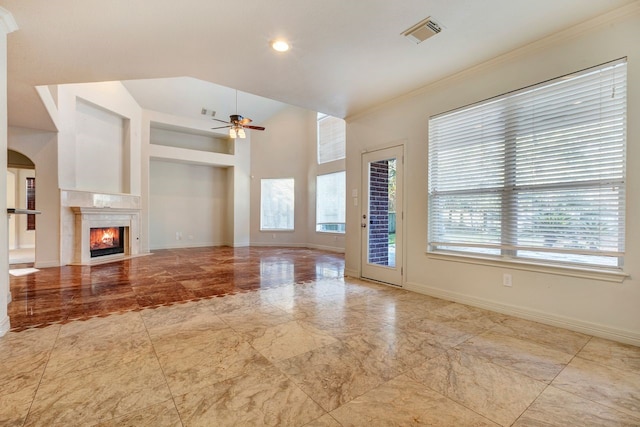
537	174
331	138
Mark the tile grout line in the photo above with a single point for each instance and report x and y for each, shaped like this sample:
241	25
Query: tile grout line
547	385
271	362
613	408
164	376
491	329
441	394
35	393
453	348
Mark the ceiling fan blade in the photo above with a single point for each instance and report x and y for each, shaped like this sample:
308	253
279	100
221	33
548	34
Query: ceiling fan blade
222	127
218	120
254	127
245	121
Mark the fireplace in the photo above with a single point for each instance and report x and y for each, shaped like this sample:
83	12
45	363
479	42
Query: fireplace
106	241
117	234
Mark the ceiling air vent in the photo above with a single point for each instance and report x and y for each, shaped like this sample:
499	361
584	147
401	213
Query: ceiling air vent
422	30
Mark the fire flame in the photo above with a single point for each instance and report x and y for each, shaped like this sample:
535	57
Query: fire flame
102	238
107	238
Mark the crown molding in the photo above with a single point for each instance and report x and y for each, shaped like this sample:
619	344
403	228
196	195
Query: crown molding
7	23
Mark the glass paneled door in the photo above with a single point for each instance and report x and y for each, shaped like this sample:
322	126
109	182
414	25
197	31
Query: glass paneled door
381	217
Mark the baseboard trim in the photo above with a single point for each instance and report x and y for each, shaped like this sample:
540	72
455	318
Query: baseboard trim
187	246
279	244
238	245
589	328
352	273
45	264
326	248
5	325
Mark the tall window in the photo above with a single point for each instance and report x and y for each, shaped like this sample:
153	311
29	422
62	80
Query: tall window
536	174
277	203
331	138
330	202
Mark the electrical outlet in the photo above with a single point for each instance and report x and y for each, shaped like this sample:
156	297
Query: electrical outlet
506	280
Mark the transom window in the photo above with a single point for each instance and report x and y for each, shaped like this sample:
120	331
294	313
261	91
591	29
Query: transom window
331	138
536	174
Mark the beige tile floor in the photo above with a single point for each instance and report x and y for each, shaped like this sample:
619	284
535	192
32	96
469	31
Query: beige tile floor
328	353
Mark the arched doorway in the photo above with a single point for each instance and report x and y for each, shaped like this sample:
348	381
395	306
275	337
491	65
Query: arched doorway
21	193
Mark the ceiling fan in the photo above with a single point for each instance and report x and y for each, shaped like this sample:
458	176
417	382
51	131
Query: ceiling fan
237	124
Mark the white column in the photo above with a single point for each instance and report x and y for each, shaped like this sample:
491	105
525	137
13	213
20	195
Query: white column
239	196
7	25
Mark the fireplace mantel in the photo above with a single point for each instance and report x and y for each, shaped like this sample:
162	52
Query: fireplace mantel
96	217
103	211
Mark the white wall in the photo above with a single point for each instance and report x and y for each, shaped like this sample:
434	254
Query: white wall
282	151
7	25
174	139
42	148
591	305
328	241
288	149
239	195
187	205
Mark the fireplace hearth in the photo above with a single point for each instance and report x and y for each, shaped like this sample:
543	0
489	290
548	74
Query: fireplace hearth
106	241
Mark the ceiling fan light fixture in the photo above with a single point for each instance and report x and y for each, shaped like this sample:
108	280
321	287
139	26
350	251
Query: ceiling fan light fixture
237	132
280	45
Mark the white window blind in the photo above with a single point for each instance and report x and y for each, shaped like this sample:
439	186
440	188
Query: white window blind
331	202
331	138
277	203
538	173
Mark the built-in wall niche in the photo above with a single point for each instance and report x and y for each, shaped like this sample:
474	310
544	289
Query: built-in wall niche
191	139
102	141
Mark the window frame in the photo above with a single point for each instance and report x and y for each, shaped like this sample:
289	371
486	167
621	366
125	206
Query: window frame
292	203
319	139
344	213
509	192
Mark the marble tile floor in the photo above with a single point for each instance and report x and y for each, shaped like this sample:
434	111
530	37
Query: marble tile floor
328	352
60	295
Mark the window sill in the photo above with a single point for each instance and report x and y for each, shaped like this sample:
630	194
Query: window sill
276	230
615	276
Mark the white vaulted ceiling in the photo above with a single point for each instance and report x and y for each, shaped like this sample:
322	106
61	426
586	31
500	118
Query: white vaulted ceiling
346	56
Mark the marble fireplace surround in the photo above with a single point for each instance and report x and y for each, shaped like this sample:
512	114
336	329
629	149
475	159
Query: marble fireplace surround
88	218
85	210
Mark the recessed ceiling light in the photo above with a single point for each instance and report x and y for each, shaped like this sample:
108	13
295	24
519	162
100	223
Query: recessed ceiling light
280	45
